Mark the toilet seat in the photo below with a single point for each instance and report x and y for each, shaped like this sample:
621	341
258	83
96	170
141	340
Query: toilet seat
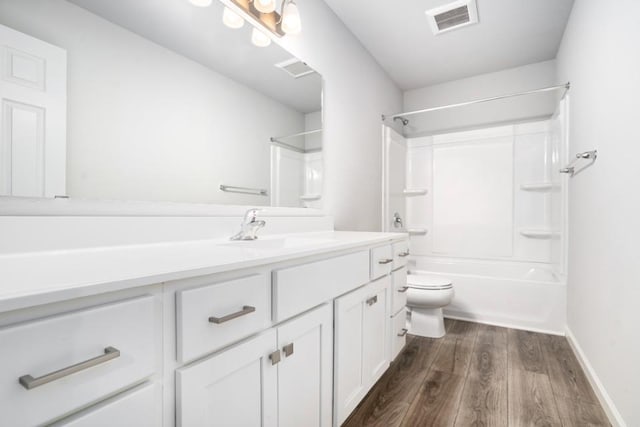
427	281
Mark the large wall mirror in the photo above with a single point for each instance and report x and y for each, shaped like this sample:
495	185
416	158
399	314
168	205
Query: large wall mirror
153	100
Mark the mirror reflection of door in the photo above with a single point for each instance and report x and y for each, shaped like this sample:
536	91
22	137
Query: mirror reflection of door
33	121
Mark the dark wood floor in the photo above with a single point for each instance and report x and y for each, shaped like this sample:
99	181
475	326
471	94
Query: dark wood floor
480	375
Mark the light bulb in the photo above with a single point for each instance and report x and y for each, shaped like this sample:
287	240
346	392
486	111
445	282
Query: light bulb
291	23
201	3
232	19
259	38
265	6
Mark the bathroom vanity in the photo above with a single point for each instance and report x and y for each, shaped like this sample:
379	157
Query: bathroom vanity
281	331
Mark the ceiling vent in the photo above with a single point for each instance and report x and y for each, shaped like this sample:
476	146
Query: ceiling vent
295	68
452	16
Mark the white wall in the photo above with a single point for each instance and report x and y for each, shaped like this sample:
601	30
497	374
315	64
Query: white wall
313	121
513	80
356	92
145	123
600	54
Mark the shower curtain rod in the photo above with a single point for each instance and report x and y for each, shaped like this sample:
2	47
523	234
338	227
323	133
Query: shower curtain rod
565	86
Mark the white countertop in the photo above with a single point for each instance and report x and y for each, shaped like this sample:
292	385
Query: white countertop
39	278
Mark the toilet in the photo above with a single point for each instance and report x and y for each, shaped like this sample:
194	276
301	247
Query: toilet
427	294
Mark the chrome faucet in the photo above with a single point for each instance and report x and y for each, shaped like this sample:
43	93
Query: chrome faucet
249	226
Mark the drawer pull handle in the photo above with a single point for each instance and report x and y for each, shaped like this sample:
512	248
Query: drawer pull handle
403	332
403	254
403	289
385	261
29	382
372	300
245	310
275	357
288	350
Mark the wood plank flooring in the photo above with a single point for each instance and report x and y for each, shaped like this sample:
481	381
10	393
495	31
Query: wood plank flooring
482	376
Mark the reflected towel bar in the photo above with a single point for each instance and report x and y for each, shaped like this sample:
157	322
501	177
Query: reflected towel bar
244	190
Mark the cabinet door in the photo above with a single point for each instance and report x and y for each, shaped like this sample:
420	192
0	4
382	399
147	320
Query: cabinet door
305	372
361	344
237	387
375	330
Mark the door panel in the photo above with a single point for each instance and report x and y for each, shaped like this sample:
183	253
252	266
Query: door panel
33	94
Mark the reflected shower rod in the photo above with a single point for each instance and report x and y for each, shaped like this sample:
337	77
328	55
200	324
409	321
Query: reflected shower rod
565	86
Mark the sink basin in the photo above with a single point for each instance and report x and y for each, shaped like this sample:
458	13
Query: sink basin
278	243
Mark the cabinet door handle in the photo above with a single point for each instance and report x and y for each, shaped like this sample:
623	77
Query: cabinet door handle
275	357
385	261
372	300
288	350
29	382
403	254
403	289
403	332
245	310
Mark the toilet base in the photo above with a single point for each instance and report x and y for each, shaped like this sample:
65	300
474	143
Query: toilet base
426	322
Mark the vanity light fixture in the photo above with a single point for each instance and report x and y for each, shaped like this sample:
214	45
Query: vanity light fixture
201	3
265	6
232	19
259	38
291	18
263	16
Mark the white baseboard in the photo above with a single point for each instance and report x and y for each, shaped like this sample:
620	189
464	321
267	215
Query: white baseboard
610	409
470	317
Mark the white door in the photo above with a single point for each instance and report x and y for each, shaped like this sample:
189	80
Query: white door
305	372
33	93
395	171
237	387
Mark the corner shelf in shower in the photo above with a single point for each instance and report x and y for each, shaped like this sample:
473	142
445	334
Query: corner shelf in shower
417	231
539	186
410	192
540	234
310	197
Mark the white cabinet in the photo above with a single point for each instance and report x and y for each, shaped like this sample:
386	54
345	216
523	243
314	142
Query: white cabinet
58	364
398	333
279	378
216	315
139	407
237	387
381	261
305	372
299	288
361	345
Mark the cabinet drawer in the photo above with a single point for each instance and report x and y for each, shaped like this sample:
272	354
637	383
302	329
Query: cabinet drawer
400	254
381	261
213	316
398	333
140	407
399	294
302	287
112	347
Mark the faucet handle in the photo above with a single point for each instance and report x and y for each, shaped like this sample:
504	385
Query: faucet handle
251	215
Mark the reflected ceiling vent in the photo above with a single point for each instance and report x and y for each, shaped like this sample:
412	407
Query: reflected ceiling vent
295	68
452	16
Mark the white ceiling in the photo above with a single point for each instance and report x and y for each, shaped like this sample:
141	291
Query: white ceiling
510	33
198	34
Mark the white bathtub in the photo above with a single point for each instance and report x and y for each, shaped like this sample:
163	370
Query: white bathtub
512	294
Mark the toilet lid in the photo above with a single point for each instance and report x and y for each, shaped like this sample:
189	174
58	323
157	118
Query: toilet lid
428	281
